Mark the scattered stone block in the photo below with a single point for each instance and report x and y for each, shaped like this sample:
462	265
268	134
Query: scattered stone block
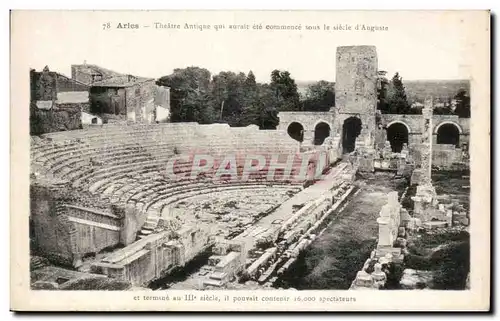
379	277
401	242
44	285
405	217
415	279
383	251
363	280
434	225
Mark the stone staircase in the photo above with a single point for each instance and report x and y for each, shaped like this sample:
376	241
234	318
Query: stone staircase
149	225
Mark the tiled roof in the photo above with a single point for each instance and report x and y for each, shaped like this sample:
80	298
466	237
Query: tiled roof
121	81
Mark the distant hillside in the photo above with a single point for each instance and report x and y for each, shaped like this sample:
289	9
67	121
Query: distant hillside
417	90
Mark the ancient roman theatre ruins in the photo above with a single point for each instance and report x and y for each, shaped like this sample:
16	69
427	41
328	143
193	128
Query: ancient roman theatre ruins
137	202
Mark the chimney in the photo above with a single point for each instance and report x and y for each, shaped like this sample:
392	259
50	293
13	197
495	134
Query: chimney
85	63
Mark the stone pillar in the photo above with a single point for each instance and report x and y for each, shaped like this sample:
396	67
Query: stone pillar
426	156
308	138
425	195
384	232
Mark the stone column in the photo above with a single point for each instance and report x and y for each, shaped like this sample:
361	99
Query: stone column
426	155
384	232
425	195
308	138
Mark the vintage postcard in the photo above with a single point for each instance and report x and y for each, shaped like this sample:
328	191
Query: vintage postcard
250	161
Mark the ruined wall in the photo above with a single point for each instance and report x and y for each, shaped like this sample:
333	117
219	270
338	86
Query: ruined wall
43	85
95	230
356	90
152	257
63	231
444	156
58	118
50	237
356	80
308	120
56	102
414	126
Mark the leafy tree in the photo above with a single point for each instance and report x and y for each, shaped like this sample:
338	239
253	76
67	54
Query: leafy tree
382	85
250	83
463	104
285	91
320	96
228	94
396	97
266	107
251	110
189	95
262	110
444	110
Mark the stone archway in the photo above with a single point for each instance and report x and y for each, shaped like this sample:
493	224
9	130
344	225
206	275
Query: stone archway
448	133
397	135
296	131
321	132
350	131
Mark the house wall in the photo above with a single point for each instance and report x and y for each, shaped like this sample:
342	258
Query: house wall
108	100
140	99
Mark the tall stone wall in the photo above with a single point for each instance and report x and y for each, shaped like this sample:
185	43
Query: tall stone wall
356	80
356	90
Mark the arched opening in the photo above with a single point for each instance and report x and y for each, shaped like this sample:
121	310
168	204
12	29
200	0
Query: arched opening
296	131
321	131
397	135
350	131
448	134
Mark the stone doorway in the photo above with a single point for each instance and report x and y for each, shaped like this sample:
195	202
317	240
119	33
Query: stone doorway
350	131
321	132
397	135
448	134
296	131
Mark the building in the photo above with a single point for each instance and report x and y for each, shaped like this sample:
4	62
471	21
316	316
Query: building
117	96
57	102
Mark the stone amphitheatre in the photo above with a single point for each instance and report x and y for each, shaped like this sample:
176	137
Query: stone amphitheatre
139	202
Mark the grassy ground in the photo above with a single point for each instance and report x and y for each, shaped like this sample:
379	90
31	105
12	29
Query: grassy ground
445	252
333	259
451	183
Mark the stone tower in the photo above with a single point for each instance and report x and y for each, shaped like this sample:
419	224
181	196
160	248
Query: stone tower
356	90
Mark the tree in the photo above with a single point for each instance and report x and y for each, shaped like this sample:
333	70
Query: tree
228	95
382	85
285	91
396	97
445	109
251	110
190	98
462	104
320	96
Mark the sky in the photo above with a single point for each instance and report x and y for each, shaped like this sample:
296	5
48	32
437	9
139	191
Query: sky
418	45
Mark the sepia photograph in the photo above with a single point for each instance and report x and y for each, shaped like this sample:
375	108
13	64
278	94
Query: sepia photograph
258	152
